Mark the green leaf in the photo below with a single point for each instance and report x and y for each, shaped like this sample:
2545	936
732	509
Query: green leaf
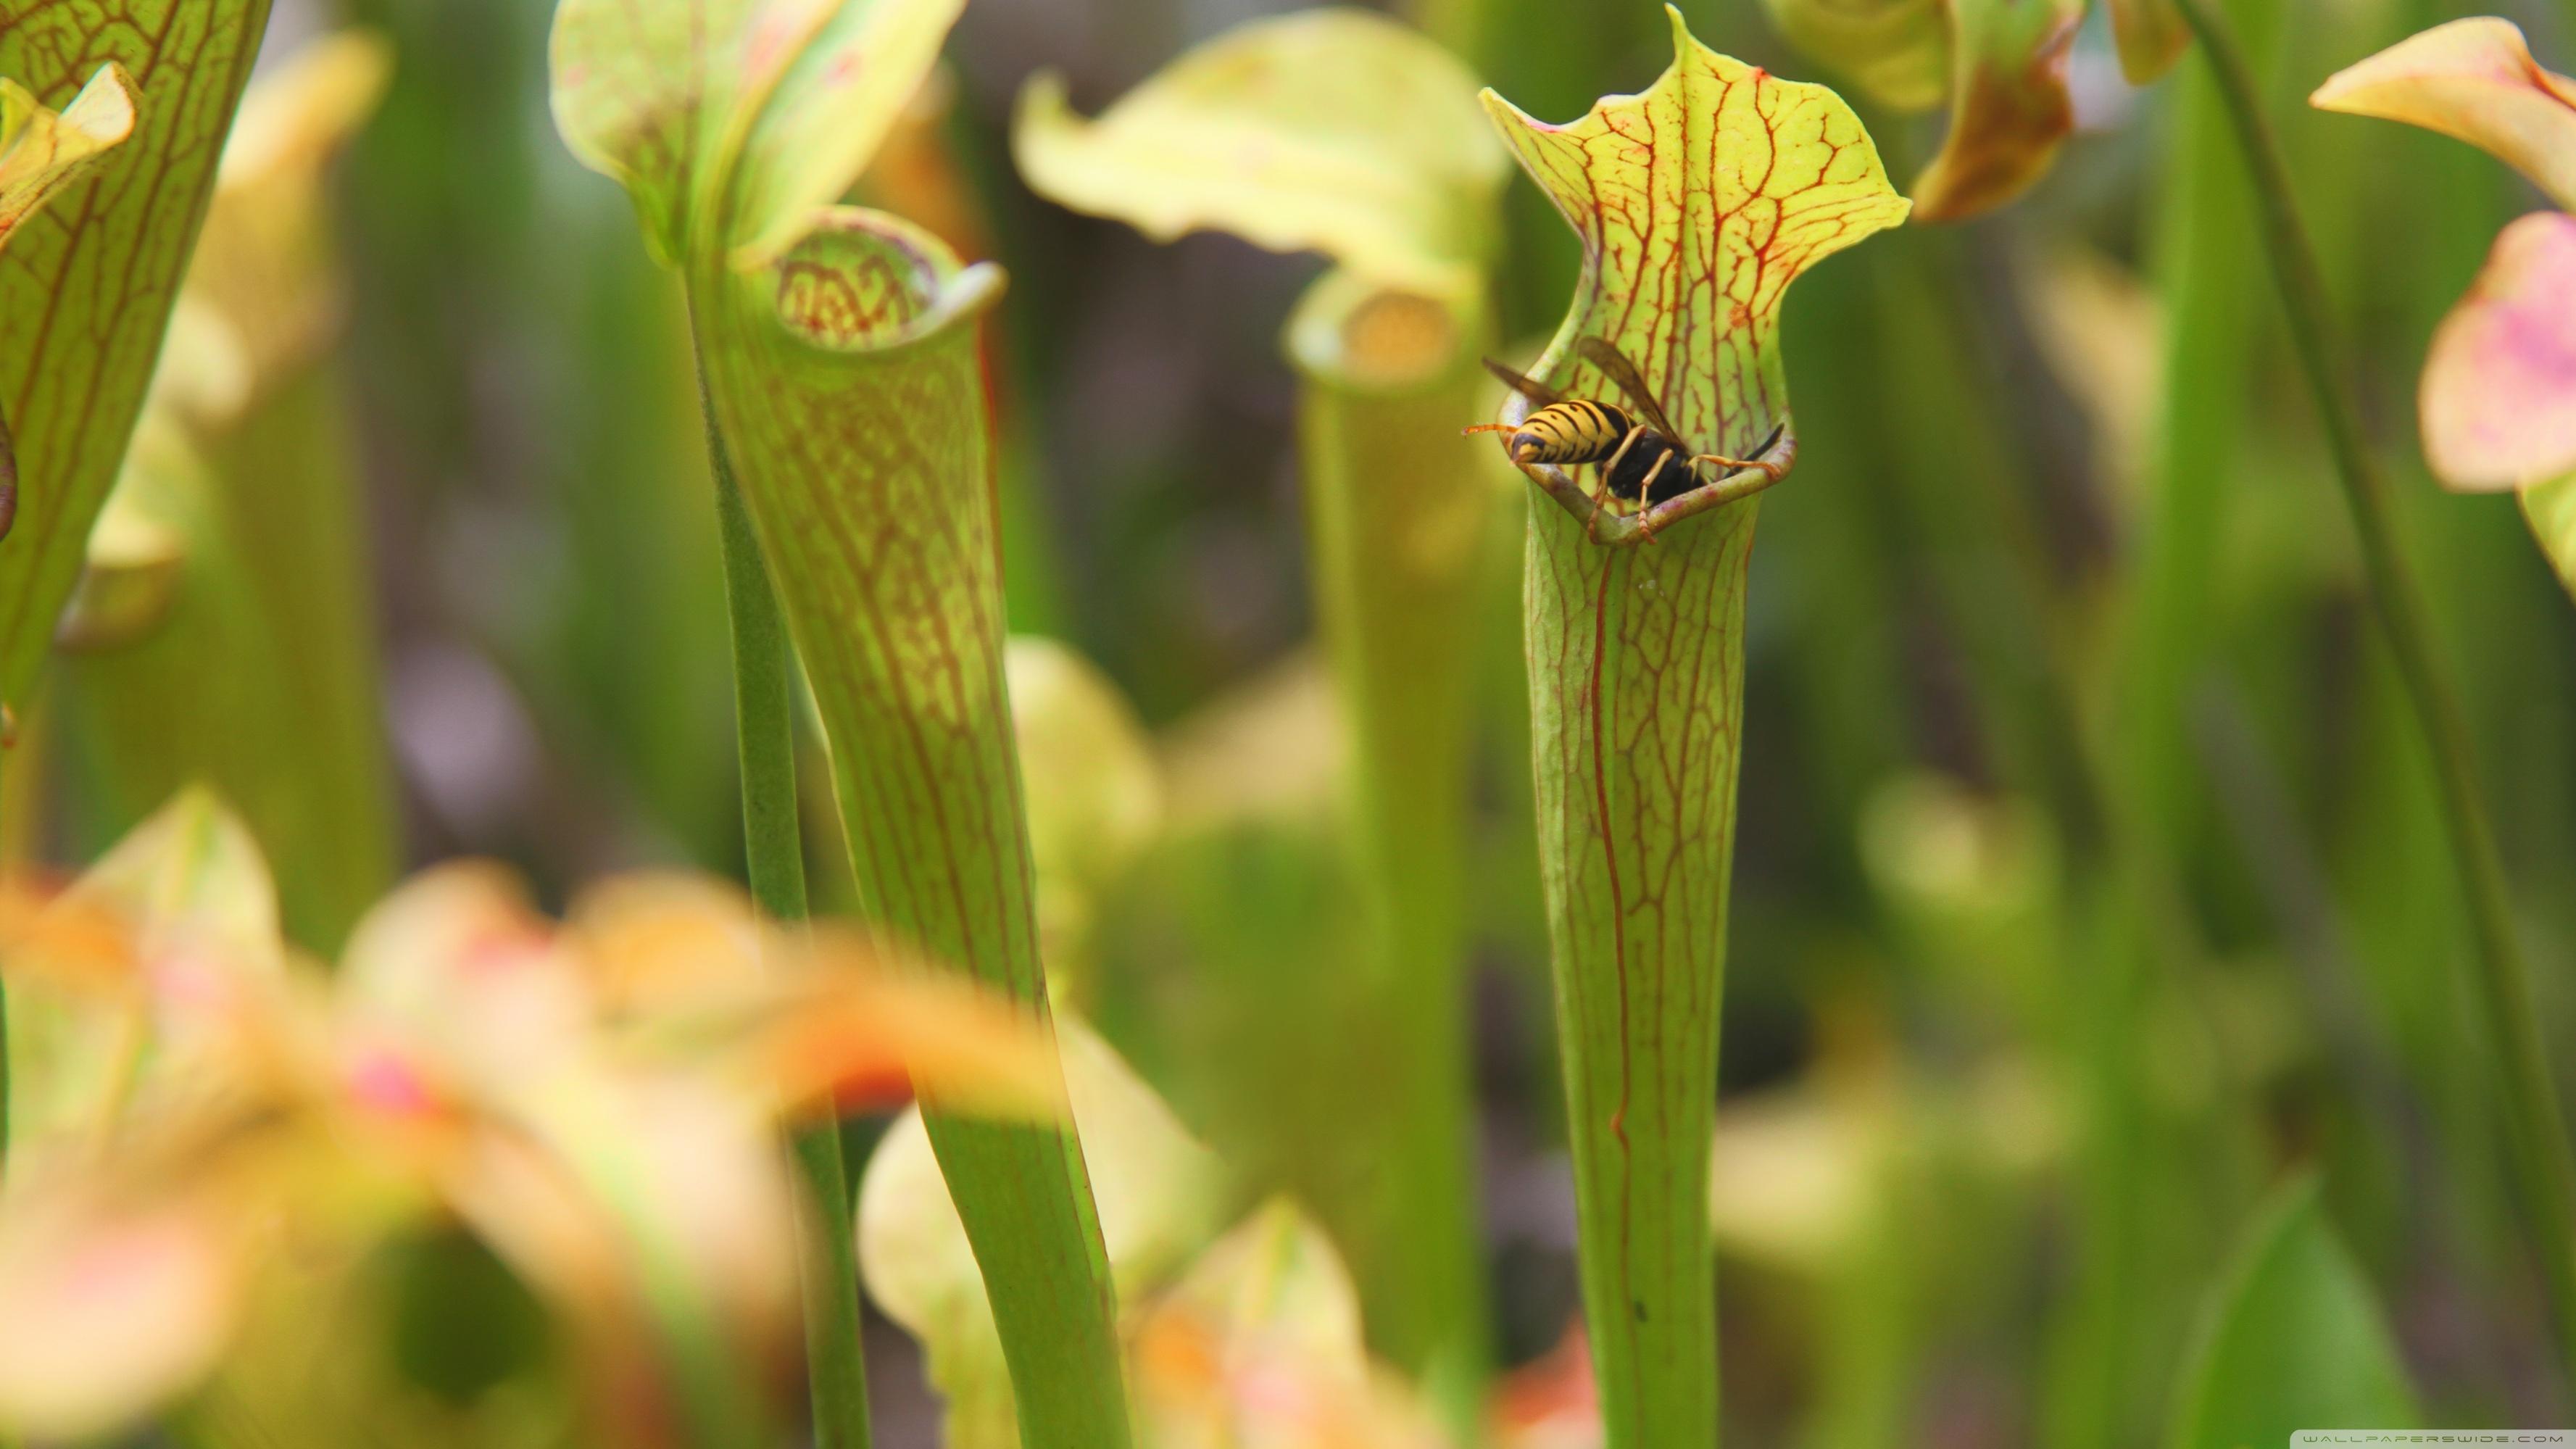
1697	202
847	385
1329	130
86	289
2293	1341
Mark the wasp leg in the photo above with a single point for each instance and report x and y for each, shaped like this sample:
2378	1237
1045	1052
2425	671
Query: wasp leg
1646	491
1486	428
1738	465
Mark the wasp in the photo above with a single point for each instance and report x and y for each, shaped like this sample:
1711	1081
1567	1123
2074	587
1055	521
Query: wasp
1642	458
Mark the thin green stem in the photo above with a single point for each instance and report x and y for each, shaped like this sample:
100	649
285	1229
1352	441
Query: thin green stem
773	848
2536	1126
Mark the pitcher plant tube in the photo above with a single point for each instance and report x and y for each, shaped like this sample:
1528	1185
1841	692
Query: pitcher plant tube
1697	202
851	435
1352	135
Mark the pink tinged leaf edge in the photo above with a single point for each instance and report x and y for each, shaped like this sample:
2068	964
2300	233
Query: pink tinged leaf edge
2473	80
2498	400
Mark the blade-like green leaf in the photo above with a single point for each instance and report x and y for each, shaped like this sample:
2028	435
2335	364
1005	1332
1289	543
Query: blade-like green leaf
1698	202
86	287
847	384
2293	1341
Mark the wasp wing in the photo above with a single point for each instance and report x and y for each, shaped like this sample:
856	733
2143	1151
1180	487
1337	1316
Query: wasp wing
1528	387
1615	366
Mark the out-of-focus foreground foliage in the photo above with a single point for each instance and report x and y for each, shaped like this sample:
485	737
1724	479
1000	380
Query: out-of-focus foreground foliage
2095	1068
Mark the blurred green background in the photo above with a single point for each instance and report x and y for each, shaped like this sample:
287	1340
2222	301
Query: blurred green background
2060	596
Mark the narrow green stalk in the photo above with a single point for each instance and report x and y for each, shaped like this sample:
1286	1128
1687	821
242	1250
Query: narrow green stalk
764	708
2535	1124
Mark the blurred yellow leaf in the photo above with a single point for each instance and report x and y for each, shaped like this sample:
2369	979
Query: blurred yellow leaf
1329	130
2499	392
263	263
1094	794
193	881
138	549
1158	1191
2475	80
1259	1346
41	150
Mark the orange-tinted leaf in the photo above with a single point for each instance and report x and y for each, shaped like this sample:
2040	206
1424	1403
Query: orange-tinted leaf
2009	110
2473	79
2499	392
664	938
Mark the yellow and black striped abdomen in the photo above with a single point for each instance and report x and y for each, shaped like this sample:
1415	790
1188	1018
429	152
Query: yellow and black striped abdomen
1577	430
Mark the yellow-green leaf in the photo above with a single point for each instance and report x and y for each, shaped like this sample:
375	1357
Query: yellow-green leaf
2475	80
86	291
1895	51
731	122
2499	392
41	151
2150	35
1329	130
832	109
635	84
1697	204
2009	110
